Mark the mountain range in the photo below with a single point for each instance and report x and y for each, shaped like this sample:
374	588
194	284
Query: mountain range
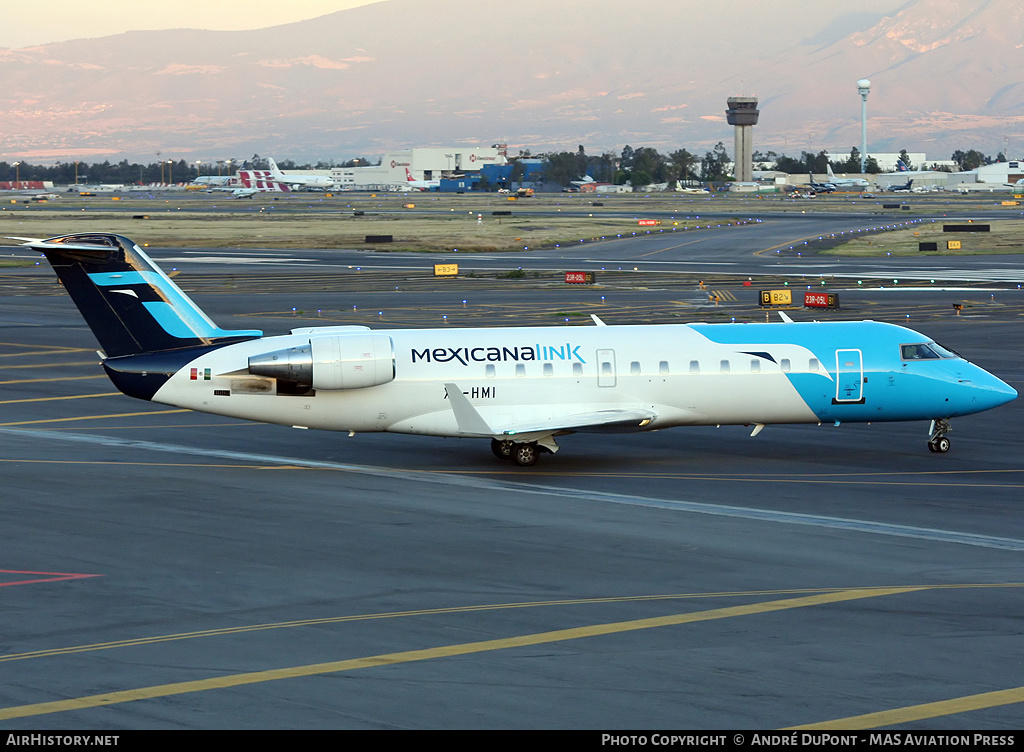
537	75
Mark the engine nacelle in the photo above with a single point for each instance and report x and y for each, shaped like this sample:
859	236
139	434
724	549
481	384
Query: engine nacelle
347	362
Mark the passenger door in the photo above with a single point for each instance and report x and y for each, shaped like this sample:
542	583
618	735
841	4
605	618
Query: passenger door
849	377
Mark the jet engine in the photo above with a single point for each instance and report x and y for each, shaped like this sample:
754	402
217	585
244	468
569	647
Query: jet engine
346	362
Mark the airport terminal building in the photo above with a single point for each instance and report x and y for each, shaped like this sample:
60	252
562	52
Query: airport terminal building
396	168
464	168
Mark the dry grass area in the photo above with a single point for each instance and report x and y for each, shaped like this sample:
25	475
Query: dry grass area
440	222
1004	236
267	230
430	225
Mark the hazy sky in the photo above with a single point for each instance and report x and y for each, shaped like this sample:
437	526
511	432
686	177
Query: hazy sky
26	23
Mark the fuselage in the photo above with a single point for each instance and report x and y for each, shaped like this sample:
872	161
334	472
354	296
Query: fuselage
699	374
520	387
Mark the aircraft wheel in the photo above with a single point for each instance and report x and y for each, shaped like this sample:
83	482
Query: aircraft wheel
502	449
939	445
525	454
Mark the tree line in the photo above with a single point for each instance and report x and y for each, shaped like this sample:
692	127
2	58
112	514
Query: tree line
638	166
645	165
161	171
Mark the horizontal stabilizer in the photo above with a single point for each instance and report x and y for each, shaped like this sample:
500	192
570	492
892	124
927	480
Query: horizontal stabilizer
52	244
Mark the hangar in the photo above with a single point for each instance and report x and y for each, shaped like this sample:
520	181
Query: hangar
421	163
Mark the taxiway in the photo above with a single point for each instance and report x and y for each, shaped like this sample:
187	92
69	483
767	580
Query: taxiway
168	569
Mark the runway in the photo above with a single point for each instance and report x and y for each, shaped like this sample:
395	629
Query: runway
169	569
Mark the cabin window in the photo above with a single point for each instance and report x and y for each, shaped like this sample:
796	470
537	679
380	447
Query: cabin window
489	370
577	369
634	367
694	366
812	364
755	366
520	369
549	370
606	368
663	366
725	366
785	365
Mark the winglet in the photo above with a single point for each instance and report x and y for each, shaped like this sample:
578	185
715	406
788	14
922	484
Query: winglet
785	317
466	416
597	319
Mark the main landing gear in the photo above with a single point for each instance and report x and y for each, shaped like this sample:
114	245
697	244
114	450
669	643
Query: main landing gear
937	441
523	454
502	449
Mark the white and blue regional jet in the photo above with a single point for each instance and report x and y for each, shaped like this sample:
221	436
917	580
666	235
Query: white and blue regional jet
518	387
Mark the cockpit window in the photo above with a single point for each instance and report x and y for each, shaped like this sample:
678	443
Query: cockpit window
925	351
918	352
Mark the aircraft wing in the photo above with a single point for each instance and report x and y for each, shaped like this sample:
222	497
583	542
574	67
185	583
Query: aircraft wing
471	423
611	420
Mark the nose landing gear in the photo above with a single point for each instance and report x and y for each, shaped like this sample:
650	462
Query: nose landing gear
937	441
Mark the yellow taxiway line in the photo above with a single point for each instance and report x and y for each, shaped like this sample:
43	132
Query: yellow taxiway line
54	378
93	417
447	651
913	713
55	399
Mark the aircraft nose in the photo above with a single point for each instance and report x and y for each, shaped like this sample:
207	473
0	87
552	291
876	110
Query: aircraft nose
992	391
1008	392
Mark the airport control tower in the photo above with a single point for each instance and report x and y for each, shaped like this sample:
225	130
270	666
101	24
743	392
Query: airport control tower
742	113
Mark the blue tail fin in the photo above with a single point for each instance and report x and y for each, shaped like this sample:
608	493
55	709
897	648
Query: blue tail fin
129	303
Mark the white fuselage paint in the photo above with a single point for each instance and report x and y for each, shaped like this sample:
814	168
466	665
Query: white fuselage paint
517	376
